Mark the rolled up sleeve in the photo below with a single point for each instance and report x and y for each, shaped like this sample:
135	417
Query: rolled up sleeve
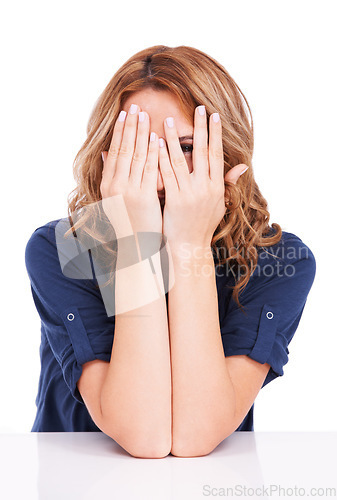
273	302
72	312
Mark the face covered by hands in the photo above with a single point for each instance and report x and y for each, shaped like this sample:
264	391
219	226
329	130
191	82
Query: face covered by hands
190	178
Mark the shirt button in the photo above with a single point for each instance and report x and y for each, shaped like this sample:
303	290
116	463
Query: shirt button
270	315
70	317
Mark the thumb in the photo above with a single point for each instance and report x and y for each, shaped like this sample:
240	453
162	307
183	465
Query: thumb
235	172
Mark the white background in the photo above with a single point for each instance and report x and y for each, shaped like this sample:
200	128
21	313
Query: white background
57	59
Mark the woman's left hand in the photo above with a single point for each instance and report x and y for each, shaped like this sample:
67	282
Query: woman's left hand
195	202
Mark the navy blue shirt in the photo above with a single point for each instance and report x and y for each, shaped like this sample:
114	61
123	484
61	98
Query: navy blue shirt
75	327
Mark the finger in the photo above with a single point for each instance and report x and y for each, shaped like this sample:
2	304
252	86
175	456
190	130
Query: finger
200	144
141	149
150	171
126	150
177	157
216	156
111	155
166	170
233	175
235	172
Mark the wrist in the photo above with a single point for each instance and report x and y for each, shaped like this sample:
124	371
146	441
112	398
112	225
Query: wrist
190	250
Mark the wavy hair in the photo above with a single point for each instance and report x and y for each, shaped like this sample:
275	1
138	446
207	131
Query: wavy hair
194	78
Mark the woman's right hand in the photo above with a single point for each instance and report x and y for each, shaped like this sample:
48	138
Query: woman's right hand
130	171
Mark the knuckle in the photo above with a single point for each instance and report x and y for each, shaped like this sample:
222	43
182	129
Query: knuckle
179	162
217	154
149	167
113	152
138	157
124	150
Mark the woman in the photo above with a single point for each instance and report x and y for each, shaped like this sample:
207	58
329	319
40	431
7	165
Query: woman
170	140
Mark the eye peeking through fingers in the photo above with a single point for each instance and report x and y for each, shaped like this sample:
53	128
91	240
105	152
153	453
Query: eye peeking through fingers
186	148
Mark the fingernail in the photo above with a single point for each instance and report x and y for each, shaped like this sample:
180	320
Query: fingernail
141	116
133	109
201	110
102	156
153	136
161	142
216	117
122	116
170	121
244	171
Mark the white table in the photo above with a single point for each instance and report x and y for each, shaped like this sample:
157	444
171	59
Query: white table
90	465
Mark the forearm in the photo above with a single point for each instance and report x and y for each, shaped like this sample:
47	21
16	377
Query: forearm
136	394
203	398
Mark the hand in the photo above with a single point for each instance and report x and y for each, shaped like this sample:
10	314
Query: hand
130	171
195	202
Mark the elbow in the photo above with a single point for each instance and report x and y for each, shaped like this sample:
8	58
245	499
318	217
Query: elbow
150	451
183	451
138	447
140	437
179	450
201	446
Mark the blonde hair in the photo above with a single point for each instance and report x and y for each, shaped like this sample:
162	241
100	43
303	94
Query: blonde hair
194	78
